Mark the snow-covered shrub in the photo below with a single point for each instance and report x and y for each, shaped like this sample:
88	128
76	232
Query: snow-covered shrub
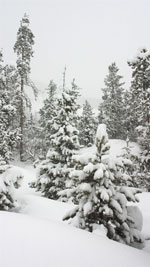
10	179
102	199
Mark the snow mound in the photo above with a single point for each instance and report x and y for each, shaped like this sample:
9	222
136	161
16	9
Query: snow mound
37	243
10	179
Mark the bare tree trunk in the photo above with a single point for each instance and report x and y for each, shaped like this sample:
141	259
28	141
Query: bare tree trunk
148	117
64	78
21	121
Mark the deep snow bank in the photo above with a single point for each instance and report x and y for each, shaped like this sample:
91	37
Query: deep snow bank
28	242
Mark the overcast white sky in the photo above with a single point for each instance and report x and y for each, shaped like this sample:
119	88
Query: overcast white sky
84	35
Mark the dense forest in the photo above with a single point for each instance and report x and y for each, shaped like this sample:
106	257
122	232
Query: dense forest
99	186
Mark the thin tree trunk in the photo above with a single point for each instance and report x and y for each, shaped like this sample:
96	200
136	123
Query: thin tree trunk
21	121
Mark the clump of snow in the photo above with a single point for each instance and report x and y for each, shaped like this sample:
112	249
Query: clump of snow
88	168
135	213
84	158
101	139
85	187
12	176
10	179
144	200
100	230
98	174
87	208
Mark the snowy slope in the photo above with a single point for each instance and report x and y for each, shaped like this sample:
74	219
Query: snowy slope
37	237
28	242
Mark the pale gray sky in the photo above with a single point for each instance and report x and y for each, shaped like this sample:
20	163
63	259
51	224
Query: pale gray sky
84	35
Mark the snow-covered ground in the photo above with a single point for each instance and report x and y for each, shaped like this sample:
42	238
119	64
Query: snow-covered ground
33	235
30	242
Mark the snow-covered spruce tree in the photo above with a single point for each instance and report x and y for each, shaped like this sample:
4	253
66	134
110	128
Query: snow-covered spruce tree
11	79
8	131
87	125
128	117
53	172
111	110
131	168
8	137
101	202
24	51
140	89
143	161
47	113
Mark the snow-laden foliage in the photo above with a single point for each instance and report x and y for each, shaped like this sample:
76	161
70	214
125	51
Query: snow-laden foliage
10	179
23	47
140	90
53	172
102	198
129	117
143	161
140	87
9	133
87	125
111	109
47	113
130	166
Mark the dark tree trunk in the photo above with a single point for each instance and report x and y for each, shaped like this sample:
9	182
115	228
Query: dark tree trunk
21	121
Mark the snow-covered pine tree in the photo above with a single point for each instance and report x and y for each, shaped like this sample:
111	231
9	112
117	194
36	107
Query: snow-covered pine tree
131	168
129	117
143	161
140	89
8	136
53	172
140	86
8	106
101	202
87	125
47	113
111	110
24	51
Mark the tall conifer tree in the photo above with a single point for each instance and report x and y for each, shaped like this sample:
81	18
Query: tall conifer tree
140	90
53	172
140	86
24	51
111	108
47	113
8	110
